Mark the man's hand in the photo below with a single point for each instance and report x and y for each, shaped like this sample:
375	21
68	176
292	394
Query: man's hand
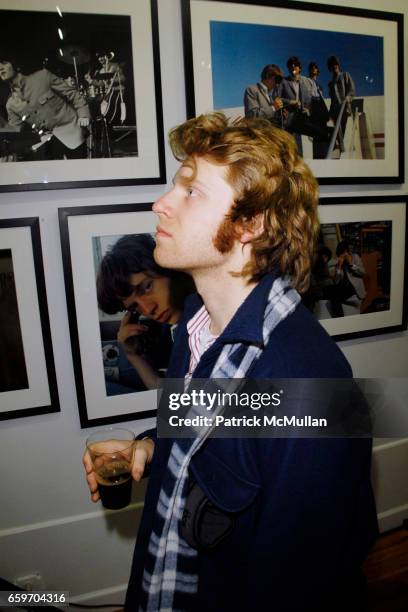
340	261
142	456
83	121
127	329
295	103
348	258
278	104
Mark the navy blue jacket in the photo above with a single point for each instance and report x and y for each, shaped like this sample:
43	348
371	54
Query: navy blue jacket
305	513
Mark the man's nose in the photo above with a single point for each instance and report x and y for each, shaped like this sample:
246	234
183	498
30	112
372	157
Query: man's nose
164	205
146	307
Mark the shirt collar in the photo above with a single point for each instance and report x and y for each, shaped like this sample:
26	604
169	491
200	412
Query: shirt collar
198	320
199	336
264	88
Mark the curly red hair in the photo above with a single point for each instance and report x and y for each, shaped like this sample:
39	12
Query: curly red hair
271	181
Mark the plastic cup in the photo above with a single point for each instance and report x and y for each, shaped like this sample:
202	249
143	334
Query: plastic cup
111	451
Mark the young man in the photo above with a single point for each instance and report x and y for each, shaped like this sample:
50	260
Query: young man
50	107
319	112
341	88
298	93
314	72
349	276
262	99
241	218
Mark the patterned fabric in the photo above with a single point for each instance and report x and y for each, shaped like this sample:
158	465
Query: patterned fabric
199	340
170	579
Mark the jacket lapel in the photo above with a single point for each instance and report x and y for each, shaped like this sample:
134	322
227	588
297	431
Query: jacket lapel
264	94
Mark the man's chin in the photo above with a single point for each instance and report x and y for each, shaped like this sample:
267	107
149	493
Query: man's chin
162	259
157	255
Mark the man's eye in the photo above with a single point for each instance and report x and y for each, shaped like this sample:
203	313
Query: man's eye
146	287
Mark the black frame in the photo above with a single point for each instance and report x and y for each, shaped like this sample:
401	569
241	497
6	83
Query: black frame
317	8
34	224
338	200
64	214
161	178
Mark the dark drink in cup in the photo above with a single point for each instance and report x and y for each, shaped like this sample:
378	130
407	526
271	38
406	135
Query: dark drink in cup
115	485
111	451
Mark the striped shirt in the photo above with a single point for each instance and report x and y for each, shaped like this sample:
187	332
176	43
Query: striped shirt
200	338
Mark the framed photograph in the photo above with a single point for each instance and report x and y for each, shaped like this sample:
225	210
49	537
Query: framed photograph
80	94
27	374
359	278
122	310
331	76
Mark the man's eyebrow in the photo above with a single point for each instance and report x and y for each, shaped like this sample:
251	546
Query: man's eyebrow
137	289
137	286
187	180
183	180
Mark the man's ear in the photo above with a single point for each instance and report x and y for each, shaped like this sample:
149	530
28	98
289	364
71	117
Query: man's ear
251	229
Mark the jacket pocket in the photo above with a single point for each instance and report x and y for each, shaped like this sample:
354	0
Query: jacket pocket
225	487
48	95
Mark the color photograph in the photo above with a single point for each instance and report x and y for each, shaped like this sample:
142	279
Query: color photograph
139	305
359	276
330	76
320	70
352	270
122	308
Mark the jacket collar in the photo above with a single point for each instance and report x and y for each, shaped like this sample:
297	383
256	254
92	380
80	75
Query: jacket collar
264	91
247	323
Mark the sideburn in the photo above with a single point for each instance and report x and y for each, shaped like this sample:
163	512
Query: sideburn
225	237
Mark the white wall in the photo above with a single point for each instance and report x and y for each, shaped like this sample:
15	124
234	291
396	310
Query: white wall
47	522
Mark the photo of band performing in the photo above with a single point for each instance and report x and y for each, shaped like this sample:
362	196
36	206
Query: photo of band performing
324	87
70	94
352	270
140	304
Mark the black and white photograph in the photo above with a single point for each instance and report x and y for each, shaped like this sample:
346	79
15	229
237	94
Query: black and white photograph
359	274
333	81
122	308
80	88
91	86
28	384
